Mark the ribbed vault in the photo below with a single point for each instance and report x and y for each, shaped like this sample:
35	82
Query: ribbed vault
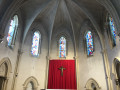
68	14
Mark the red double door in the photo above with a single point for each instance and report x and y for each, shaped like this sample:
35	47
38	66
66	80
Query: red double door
58	81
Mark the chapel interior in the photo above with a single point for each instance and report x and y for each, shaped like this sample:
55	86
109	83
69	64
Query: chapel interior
59	44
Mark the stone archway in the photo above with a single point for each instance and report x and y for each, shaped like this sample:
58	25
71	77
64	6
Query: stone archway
92	85
5	69
31	82
116	71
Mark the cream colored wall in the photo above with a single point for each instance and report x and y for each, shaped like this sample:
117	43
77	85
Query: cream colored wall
89	67
10	53
36	67
33	66
93	66
112	53
54	53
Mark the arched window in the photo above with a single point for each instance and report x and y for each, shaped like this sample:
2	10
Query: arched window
92	85
30	86
35	44
12	30
112	30
89	41
5	69
62	47
3	72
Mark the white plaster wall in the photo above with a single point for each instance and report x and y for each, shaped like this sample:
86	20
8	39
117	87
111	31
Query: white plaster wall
33	66
112	53
10	53
91	67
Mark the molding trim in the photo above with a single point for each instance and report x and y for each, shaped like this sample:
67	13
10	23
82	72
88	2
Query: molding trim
33	80
9	65
89	82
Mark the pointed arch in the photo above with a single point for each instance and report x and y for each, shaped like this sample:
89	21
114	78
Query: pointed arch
89	43
116	71
62	47
114	63
36	40
92	85
5	69
7	62
31	80
13	26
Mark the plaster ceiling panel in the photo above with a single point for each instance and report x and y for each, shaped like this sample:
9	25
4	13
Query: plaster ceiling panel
116	4
33	7
63	20
47	16
4	4
62	16
77	16
94	7
30	11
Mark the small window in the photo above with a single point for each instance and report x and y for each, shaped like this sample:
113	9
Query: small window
89	41
35	44
30	86
12	30
62	47
93	86
112	30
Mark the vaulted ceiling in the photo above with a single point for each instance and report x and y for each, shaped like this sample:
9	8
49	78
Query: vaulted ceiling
53	14
4	4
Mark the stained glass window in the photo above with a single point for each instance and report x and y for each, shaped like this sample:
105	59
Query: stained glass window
89	40
62	47
12	30
112	28
35	44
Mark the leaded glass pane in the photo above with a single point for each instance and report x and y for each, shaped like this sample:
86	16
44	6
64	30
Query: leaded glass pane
112	28
35	44
12	30
89	40
62	47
